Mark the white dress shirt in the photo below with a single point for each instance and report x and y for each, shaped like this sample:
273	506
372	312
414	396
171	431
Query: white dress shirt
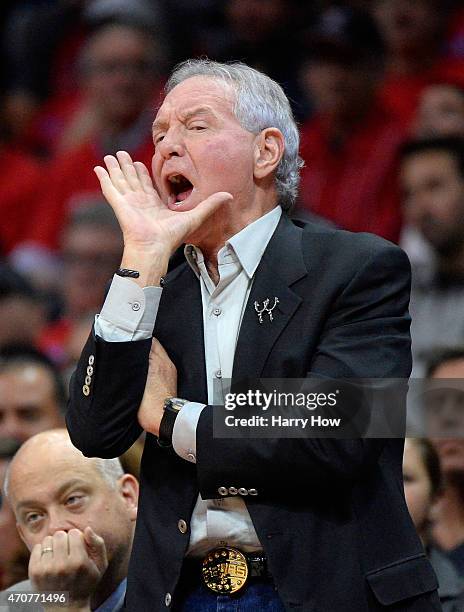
129	313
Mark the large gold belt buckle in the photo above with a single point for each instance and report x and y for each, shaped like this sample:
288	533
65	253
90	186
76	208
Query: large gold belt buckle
224	570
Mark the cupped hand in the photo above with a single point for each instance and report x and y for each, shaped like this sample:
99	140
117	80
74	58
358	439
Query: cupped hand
146	222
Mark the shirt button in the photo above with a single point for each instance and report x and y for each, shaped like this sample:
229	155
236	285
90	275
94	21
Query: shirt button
217	311
91	360
136	306
243	491
89	370
167	600
88	380
218	374
86	390
182	526
233	491
223	491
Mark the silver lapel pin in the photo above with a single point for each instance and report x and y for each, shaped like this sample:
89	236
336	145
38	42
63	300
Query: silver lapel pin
266	308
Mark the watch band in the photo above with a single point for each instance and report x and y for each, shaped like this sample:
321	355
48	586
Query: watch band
172	406
127	273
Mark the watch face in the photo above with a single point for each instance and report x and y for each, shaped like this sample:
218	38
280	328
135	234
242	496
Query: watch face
174	403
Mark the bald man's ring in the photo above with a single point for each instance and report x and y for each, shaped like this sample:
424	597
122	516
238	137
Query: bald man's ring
46	550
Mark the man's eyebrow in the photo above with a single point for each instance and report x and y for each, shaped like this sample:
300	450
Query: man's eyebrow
197	111
159	124
64	487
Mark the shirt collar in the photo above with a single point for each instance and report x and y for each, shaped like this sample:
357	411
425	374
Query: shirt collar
114	601
247	246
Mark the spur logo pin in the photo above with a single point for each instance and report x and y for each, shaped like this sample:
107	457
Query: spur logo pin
260	310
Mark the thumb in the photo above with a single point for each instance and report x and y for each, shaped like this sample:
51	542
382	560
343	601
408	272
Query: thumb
96	548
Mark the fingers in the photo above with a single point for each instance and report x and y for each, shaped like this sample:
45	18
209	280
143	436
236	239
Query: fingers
76	543
144	177
60	547
116	174
96	548
35	558
128	170
157	350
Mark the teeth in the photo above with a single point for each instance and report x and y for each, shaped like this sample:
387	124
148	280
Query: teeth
175	178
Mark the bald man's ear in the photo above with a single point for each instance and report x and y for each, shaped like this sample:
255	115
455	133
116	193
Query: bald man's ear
129	490
269	149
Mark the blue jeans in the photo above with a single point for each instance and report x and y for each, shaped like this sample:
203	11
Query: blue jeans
258	596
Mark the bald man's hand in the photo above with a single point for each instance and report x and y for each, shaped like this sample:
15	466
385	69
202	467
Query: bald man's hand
161	383
72	561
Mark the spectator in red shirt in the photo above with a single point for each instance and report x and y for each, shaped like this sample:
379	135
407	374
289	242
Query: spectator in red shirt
414	34
350	145
119	80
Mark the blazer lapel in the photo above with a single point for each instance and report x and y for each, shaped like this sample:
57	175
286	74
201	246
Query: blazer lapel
181	331
281	265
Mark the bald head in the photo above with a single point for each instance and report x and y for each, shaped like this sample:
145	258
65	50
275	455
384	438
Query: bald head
42	453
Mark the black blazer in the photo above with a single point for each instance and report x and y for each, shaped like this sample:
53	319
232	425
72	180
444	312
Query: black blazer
330	514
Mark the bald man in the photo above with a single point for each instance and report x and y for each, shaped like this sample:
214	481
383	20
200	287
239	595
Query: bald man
76	515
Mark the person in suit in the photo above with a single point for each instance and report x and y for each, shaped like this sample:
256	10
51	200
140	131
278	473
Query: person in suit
319	525
77	517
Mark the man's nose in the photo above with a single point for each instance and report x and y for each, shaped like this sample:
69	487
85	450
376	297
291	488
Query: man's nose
171	145
58	521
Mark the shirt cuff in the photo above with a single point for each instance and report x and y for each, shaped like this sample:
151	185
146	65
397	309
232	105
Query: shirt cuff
184	435
129	312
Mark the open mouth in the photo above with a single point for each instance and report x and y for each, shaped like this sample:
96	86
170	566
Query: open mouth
180	188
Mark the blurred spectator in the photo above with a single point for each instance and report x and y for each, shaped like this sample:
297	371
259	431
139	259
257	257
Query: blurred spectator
422	487
42	43
32	396
414	35
86	511
14	556
448	529
350	146
22	311
432	176
440	111
119	72
91	250
120	81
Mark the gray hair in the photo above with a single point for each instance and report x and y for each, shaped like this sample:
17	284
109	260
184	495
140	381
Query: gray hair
110	470
260	103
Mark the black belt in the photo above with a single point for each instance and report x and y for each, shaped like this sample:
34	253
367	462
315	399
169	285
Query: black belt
226	570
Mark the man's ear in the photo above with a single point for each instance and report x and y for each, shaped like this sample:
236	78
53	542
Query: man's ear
269	149
129	489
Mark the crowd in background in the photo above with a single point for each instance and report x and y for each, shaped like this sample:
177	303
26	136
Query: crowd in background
377	87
